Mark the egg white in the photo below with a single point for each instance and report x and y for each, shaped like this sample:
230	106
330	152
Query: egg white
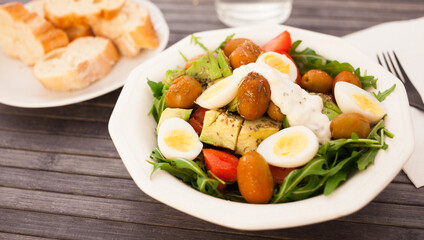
344	91
292	67
219	94
224	91
167	128
266	148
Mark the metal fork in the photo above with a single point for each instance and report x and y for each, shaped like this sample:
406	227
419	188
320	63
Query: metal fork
413	95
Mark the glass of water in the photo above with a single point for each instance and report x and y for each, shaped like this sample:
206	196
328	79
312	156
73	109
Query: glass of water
236	13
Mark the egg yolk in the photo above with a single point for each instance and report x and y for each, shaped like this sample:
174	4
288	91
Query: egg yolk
216	88
290	144
180	140
366	104
276	62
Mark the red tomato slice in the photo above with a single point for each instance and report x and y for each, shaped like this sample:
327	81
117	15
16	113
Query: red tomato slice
297	69
196	120
280	44
279	173
222	164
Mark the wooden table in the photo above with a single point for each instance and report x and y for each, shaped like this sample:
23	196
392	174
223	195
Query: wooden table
61	177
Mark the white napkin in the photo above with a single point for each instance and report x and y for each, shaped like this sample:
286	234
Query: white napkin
406	38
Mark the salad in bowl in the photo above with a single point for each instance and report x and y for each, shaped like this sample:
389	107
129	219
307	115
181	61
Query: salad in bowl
265	124
212	180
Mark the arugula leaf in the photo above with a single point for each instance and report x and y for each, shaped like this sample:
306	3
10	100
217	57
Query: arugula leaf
308	59
366	80
225	41
334	161
184	57
382	95
186	170
159	104
334	181
315	166
195	40
156	88
367	158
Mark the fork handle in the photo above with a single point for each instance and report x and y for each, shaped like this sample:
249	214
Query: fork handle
416	105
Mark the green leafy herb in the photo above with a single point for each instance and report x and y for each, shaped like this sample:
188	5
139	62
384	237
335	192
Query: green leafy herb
184	57
366	80
382	95
285	122
186	170
195	40
333	162
225	41
159	105
156	88
308	59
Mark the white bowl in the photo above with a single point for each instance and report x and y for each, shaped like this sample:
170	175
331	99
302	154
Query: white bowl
132	132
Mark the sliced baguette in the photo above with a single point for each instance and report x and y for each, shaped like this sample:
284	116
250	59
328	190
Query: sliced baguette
131	30
72	32
27	36
76	66
70	13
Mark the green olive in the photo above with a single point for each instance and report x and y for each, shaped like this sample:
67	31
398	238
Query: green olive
316	81
345	124
245	53
183	92
274	112
253	96
347	76
232	44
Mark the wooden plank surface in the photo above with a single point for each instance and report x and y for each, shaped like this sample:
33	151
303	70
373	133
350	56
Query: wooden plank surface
61	176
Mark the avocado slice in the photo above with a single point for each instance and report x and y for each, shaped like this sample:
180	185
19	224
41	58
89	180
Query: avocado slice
224	64
221	129
174	112
232	106
205	69
330	108
171	75
252	133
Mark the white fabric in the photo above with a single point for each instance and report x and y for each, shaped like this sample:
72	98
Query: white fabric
406	38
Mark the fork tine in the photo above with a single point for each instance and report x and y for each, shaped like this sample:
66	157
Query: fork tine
405	76
387	63
394	68
379	61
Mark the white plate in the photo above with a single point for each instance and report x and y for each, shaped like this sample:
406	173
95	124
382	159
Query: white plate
19	88
133	134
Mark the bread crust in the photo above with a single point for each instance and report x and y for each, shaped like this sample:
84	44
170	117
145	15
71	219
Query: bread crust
36	35
131	30
60	71
77	19
72	32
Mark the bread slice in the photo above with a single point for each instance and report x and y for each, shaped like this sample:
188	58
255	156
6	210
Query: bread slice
27	36
37	6
131	30
69	13
76	66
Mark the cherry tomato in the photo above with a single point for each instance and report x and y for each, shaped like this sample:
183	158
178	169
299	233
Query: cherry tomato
346	76
196	119
222	164
280	44
279	174
254	178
